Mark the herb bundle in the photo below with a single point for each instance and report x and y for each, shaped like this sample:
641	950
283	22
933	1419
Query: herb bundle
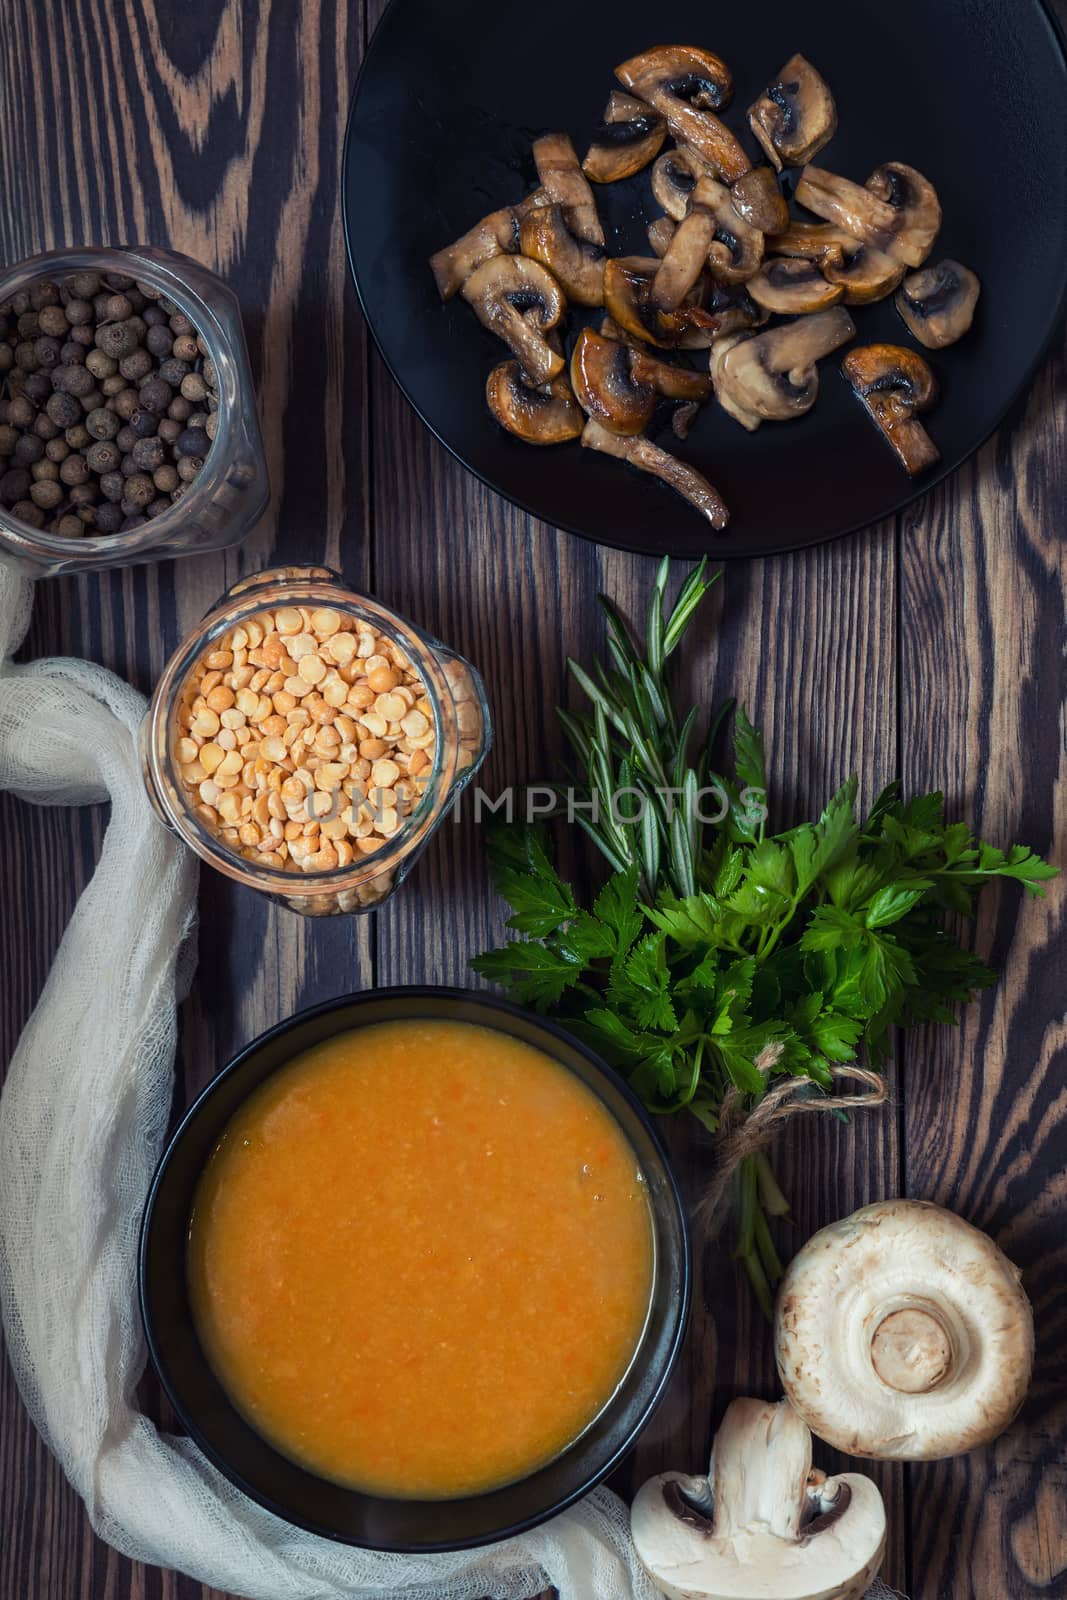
720	959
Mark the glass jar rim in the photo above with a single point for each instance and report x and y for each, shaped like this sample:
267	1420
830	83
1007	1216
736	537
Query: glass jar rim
266	591
155	267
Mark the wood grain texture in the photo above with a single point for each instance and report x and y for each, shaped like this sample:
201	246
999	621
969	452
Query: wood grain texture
931	648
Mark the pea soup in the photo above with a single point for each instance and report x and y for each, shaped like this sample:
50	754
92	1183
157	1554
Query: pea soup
420	1258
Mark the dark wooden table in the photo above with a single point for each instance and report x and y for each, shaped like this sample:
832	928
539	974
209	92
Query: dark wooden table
931	648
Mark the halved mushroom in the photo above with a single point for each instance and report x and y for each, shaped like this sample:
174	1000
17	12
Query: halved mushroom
605	386
660	233
914	203
631	136
813	241
562	179
895	385
627	288
687	86
684	259
546	236
674	178
519	300
773	377
647	457
790	285
938	303
865	274
674	383
762	1521
758	200
904	1333
497	234
737	248
896	211
545	415
795	116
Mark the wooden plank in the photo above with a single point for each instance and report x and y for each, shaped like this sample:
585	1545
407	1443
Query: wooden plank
983	586
201	127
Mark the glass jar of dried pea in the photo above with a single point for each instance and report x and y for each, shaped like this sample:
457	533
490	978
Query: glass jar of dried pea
128	425
307	742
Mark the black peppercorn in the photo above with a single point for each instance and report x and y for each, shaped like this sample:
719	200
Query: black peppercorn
180	323
181	410
79	312
112	386
173	371
144	423
37	388
54	321
28	325
72	379
185	347
193	442
113	486
132	522
47	351
189	467
70	527
104	456
84	284
71	354
140	490
148	454
160	504
102	423
26	355
20	412
100	365
108	517
166	478
74	470
44	427
155	395
47	495
44	294
158	339
116	339
14	485
64	410
125	404
9	438
28	450
126	439
78	437
57	449
26	511
84	494
137	366
118	308
169	430
44	469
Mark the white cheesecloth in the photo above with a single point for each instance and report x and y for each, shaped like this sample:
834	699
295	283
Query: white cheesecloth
83	1117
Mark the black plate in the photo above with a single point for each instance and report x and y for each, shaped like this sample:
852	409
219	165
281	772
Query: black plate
280	1484
972	92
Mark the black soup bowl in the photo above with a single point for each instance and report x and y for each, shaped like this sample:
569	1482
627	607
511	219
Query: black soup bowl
278	1483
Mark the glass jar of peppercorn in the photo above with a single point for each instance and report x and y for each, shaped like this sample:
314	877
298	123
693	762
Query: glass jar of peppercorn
128	426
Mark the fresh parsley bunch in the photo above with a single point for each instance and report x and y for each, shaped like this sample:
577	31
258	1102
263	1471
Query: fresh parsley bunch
718	956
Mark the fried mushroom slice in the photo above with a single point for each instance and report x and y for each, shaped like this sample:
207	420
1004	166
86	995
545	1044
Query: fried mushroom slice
773	376
497	234
548	414
647	457
685	258
915	206
630	136
851	207
660	233
938	303
578	266
758	200
519	300
791	286
686	86
564	183
812	241
736	249
895	385
795	116
865	274
674	383
627	297
605	386
674	180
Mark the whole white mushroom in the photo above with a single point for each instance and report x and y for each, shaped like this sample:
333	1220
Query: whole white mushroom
762	1525
902	1332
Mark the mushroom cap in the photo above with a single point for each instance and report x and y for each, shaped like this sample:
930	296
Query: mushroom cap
765	1527
902	1333
895	384
674	178
938	303
789	285
795	116
630	136
917	209
604	385
546	415
736	248
773	377
577	265
813	241
758	200
681	70
519	300
496	234
864	273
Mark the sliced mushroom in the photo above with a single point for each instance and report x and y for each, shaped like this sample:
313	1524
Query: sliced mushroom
684	259
545	415
496	234
795	116
737	248
762	1521
627	287
647	457
578	266
605	386
562	179
674	383
631	136
790	285
896	385
865	274
773	377
904	1333
938	303
758	200
660	233
814	241
896	211
687	86
519	300
914	203
674	179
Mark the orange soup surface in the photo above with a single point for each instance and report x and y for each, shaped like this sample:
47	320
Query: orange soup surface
420	1258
